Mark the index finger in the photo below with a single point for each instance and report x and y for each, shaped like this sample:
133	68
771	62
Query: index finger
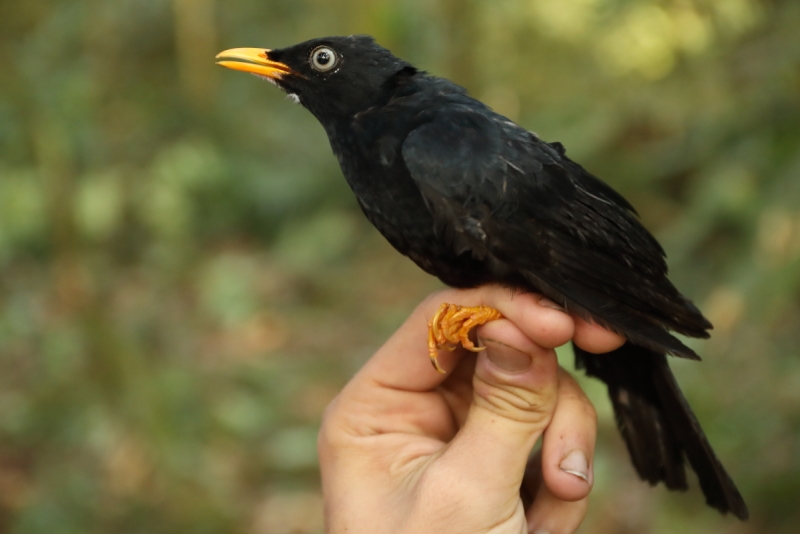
402	362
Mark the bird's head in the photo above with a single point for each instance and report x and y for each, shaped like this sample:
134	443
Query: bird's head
334	77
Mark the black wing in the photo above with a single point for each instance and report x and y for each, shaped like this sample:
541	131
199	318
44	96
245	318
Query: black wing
500	192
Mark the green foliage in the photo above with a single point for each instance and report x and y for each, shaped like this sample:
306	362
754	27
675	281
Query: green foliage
185	281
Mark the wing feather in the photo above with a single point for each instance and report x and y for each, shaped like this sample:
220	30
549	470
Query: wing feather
499	191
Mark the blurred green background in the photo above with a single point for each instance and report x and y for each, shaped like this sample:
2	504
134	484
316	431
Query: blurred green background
186	281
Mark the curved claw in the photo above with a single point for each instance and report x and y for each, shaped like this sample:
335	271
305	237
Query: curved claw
451	325
433	335
435	362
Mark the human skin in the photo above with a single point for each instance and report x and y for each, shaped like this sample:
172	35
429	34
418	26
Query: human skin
405	449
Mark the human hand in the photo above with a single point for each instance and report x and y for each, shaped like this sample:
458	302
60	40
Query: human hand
405	449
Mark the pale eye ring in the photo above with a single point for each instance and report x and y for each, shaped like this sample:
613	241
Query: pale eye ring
324	58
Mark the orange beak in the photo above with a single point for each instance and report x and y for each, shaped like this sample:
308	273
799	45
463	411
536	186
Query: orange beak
253	60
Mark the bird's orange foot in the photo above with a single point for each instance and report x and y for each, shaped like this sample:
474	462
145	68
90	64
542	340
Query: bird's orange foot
451	325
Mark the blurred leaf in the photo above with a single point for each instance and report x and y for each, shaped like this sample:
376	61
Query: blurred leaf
294	448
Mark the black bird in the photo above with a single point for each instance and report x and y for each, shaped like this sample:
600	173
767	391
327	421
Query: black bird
473	198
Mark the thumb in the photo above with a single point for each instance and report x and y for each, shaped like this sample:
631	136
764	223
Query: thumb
515	391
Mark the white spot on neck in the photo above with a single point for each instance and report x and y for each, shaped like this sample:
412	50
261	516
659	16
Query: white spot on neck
293	97
270	80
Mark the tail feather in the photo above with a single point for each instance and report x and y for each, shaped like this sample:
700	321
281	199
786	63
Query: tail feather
658	426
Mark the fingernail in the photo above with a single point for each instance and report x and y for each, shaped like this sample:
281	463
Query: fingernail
547	303
506	358
575	463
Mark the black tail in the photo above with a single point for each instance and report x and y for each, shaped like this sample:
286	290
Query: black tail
658	425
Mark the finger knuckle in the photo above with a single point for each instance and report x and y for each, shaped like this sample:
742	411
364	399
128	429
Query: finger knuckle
516	403
330	434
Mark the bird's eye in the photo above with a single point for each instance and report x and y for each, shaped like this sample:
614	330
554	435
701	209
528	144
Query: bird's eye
323	59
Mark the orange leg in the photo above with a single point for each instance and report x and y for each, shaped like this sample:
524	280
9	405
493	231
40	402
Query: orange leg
450	326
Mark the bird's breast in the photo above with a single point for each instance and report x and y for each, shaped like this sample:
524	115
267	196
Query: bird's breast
393	203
